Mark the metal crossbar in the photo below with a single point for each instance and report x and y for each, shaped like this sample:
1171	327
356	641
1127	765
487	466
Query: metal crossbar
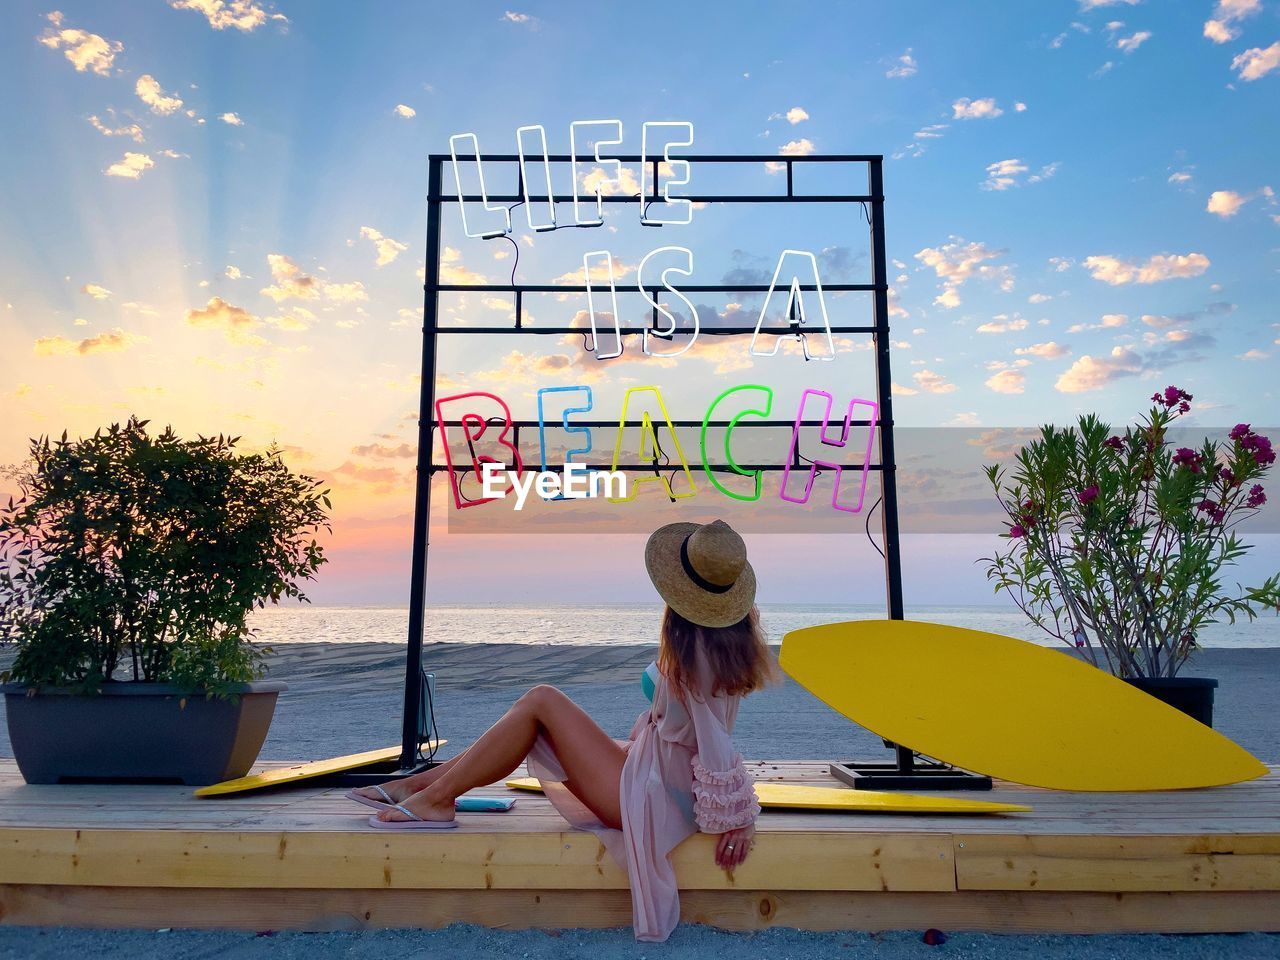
437	201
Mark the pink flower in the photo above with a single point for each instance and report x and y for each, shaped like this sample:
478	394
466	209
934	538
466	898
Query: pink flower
1240	431
1186	457
1256	497
1216	513
1260	447
1227	477
1115	443
1016	531
1088	495
1173	397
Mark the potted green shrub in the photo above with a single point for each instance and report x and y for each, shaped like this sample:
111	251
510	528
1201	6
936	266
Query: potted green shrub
1118	543
128	569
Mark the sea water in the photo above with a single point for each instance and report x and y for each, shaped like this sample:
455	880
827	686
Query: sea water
629	623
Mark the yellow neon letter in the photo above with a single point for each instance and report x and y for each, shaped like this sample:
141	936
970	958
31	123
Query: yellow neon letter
650	450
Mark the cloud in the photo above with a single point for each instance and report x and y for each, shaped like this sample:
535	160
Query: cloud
1007	381
387	248
86	51
906	66
1109	321
1004	174
797	148
1001	323
149	92
1094	373
599	272
235	323
1087	5
1254	354
932	382
1132	42
244	15
1039	298
404	110
233	273
902	391
920	140
1225	203
96	291
1256	62
1163	322
383	451
232	119
130	130
984	109
453	271
511	16
1218	29
793	116
113	341
1045	351
1162	266
294	320
1019	107
131	166
292	283
956	261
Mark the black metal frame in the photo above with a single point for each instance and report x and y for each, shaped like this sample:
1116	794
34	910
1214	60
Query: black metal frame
437	199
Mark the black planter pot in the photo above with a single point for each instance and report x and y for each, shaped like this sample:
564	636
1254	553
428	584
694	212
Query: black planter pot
137	733
1192	695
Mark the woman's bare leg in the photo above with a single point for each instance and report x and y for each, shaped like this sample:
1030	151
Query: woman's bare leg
406	787
590	757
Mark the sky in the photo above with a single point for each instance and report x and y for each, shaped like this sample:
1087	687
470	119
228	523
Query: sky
214	216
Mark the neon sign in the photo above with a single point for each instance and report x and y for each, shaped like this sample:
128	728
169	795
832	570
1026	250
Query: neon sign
485	417
675	172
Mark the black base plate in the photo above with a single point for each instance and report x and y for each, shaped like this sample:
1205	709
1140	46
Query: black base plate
907	772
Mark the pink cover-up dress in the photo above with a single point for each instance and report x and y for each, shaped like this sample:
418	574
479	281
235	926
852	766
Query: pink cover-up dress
681	775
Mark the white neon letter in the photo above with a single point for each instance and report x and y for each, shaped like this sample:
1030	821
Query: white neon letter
796	297
673	180
474	151
550	224
671	319
616	126
591	306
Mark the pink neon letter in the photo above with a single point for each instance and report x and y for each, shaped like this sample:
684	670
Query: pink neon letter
474	426
830	440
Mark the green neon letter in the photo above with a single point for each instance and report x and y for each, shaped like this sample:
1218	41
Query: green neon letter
728	433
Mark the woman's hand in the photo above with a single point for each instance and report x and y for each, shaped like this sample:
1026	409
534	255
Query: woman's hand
733	846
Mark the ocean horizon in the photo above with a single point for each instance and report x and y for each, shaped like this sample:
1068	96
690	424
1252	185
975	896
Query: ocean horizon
585	624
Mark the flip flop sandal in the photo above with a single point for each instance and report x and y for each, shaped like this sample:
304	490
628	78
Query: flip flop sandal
369	801
414	823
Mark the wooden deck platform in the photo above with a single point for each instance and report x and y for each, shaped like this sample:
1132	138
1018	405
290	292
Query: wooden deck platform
154	856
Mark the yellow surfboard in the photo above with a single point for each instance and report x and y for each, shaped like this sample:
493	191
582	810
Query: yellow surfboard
798	797
1008	708
283	776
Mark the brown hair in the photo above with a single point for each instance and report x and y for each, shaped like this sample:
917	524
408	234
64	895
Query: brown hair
738	655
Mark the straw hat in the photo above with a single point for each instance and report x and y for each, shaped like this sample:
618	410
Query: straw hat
701	570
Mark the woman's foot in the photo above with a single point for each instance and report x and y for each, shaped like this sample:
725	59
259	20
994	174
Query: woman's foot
400	790
425	805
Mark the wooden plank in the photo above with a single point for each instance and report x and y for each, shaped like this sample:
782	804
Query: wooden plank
319	910
1118	863
461	859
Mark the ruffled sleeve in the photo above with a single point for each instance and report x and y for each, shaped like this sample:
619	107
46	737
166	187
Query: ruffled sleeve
723	791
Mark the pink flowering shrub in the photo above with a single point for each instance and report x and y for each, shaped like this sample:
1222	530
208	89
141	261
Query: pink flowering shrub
1118	543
